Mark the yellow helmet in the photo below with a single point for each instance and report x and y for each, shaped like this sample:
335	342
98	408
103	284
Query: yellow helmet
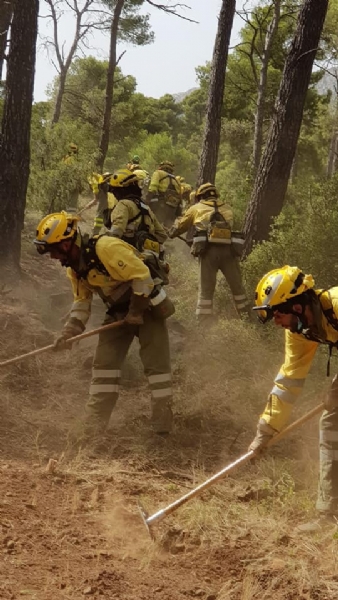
123	178
275	290
166	165
73	147
53	229
206	190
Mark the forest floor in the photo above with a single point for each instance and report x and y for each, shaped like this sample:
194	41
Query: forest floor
75	532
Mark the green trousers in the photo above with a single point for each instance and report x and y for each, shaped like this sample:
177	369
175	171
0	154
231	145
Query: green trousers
219	257
328	462
112	349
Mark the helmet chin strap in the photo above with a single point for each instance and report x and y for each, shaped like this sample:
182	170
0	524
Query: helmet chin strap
302	322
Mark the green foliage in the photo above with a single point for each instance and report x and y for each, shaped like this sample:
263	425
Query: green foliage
304	234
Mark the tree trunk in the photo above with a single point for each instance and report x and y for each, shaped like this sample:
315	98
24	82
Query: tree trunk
273	174
105	131
59	96
15	129
6	10
212	130
333	155
261	92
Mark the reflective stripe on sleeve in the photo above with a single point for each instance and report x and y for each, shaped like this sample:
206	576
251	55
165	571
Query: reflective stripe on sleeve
142	287
288	382
284	395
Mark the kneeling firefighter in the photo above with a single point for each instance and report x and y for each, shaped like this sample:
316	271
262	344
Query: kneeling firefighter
115	271
217	248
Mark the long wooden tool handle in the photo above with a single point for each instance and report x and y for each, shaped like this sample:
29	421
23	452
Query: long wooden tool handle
240	461
76	338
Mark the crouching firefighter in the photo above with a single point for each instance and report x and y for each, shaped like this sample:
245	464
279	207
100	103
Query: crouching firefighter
217	248
131	219
116	271
310	318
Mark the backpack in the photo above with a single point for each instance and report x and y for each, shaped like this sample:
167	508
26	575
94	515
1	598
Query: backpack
142	239
219	230
172	197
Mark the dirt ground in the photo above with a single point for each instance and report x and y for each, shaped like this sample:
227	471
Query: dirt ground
76	532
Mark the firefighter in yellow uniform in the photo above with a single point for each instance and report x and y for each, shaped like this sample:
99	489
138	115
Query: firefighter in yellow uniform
131	219
134	163
118	274
215	246
164	194
309	317
104	199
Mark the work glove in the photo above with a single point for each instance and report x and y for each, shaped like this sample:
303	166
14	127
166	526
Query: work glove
138	304
331	398
72	328
264	433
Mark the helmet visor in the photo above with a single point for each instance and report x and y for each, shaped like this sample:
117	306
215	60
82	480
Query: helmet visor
264	313
44	248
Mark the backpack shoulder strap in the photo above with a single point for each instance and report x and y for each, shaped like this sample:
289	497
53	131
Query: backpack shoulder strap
90	257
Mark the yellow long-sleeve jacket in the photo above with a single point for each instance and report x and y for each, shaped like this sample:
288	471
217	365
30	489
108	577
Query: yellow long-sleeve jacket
127	217
199	216
299	354
125	271
165	186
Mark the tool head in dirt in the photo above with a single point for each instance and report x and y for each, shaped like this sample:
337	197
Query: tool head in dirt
144	517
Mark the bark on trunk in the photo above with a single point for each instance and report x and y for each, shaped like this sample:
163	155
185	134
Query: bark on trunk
6	10
212	130
262	84
272	178
59	96
15	129
333	155
105	131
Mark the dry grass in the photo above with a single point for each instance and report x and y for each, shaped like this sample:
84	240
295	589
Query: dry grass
222	376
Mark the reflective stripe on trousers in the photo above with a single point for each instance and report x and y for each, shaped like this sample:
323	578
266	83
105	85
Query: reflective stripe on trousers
220	258
111	351
161	390
328	462
204	307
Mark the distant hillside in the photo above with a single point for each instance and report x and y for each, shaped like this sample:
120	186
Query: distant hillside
181	95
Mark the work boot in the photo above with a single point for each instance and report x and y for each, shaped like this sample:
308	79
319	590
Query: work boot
162	418
322	524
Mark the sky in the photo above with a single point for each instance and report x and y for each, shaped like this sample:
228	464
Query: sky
165	66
